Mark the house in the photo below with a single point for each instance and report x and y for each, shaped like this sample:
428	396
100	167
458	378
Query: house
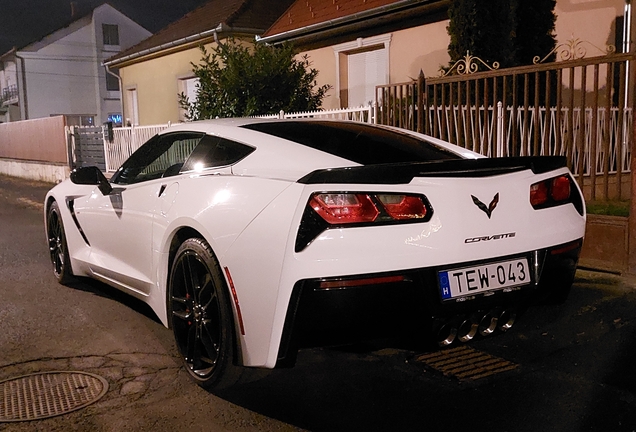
62	74
155	71
358	44
354	44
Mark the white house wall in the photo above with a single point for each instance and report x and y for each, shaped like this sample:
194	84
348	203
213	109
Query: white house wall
130	33
64	74
61	76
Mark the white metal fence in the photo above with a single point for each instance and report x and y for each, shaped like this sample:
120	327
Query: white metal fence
125	141
128	139
491	131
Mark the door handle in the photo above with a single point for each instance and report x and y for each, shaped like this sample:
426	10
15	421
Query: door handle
161	189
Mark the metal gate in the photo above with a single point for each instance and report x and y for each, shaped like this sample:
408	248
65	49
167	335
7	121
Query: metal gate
87	144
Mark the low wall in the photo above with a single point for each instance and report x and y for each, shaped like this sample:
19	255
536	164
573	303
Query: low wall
606	245
34	170
41	139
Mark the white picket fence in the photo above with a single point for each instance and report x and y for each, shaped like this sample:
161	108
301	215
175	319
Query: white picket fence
128	139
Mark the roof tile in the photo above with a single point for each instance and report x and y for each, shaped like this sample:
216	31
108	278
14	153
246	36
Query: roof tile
303	13
257	15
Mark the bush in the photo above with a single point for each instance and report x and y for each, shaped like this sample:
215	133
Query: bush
239	79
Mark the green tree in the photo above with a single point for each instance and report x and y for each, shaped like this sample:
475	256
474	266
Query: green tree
535	30
510	32
238	79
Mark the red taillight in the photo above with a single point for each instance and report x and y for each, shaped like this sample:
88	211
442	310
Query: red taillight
402	207
551	192
560	190
538	194
340	209
344	208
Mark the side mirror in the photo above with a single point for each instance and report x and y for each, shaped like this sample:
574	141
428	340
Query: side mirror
91	176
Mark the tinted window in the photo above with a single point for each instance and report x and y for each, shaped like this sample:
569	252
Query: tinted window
216	152
161	156
357	142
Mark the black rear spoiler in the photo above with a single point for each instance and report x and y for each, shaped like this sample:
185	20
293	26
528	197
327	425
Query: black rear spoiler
403	173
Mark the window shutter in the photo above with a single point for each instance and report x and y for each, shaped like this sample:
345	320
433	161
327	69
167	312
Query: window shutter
366	70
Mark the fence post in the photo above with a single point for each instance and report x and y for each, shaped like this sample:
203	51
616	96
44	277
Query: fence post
500	130
631	221
106	135
421	91
70	146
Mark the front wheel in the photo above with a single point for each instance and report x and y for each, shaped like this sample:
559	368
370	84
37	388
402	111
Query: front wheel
201	316
58	249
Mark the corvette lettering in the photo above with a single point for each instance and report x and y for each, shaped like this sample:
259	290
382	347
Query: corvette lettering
488	238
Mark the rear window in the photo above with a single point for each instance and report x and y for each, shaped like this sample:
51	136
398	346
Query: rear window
357	142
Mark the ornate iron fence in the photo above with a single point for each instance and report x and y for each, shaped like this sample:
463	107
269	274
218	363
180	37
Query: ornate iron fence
579	108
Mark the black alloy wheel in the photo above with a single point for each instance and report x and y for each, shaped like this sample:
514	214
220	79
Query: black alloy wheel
201	315
58	249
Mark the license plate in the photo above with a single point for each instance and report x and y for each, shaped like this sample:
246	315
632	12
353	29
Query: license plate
484	278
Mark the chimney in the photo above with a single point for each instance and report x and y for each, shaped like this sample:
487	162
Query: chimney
73	9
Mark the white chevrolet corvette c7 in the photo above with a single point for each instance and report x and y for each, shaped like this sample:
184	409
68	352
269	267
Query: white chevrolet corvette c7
254	238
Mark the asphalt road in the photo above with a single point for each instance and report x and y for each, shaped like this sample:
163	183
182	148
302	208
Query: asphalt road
567	368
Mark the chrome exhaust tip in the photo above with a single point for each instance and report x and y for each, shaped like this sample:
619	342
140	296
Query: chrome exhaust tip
507	320
488	324
467	330
446	335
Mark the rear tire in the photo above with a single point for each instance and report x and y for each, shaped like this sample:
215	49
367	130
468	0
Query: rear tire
58	249
200	315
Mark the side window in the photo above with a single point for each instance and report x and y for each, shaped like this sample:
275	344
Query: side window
216	152
161	156
110	33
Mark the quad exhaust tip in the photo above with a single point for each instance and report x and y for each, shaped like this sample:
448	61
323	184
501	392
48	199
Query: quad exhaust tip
507	320
488	324
468	328
446	334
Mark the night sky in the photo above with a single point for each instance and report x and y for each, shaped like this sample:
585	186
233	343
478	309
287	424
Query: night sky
25	21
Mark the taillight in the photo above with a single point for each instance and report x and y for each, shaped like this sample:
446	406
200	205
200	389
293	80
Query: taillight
560	188
344	208
339	209
539	194
403	207
551	192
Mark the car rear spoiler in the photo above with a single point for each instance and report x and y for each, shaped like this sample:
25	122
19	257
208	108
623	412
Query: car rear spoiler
403	173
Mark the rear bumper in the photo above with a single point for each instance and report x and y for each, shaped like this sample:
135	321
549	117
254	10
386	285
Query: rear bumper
407	305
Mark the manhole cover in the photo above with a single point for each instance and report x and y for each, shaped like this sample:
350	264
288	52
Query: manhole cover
465	364
48	394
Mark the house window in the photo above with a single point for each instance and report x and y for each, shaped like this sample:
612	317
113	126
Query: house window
78	120
111	34
132	108
116	119
365	71
112	83
361	66
188	87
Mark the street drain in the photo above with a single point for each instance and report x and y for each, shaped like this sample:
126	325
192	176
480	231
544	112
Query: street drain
465	363
49	394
